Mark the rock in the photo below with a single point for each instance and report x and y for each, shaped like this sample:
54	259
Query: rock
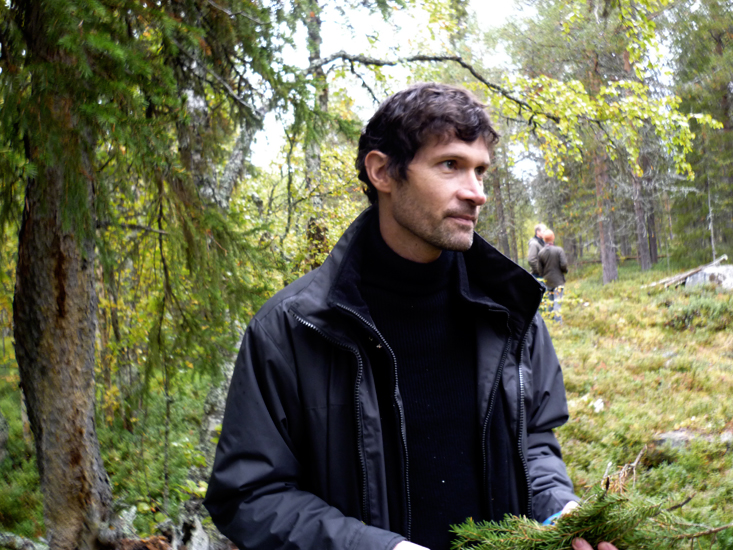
719	275
666	446
681	438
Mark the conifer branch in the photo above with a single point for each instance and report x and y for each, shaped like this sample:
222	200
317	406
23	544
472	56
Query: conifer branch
135	226
628	521
236	13
223	83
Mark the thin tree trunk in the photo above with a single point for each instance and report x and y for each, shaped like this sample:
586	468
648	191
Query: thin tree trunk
316	231
624	245
652	232
605	221
642	240
4	331
499	209
512	217
522	254
710	218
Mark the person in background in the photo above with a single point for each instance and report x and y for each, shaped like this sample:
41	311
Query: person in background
553	265
407	383
535	245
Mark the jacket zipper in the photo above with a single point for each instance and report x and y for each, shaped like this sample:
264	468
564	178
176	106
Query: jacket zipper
522	420
366	512
403	437
487	418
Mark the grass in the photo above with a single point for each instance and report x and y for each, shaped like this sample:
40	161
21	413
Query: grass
642	362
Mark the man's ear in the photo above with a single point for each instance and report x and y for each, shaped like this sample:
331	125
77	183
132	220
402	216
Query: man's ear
375	164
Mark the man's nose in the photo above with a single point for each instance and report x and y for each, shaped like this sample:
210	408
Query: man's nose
473	189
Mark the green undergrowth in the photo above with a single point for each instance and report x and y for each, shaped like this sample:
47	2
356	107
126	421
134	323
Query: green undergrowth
640	363
21	504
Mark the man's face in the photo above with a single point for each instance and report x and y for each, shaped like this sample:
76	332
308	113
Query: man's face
436	208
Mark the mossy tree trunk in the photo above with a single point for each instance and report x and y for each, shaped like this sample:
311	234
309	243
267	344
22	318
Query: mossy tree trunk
55	320
55	303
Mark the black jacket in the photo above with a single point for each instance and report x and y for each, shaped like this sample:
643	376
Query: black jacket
300	461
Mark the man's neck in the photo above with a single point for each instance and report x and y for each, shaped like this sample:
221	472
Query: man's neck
402	241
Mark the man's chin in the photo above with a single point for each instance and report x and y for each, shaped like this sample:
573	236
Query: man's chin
457	244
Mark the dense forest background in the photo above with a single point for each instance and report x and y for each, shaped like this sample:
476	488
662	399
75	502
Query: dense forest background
167	165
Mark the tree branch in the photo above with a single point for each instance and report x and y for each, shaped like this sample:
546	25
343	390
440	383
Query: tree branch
234	14
365	60
223	83
105	225
363	82
711	531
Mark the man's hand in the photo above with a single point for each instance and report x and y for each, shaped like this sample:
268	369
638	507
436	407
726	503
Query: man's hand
407	545
580	544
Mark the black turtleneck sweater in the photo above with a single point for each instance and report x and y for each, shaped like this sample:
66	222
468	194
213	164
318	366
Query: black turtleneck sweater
417	309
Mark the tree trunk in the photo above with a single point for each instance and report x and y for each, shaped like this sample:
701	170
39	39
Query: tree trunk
642	240
499	206
651	229
605	220
55	315
711	219
624	245
55	302
316	231
512	217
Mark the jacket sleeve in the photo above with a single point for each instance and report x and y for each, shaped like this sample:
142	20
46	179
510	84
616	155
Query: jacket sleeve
551	486
254	494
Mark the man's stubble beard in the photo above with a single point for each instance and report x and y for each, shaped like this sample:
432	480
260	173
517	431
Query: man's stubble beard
436	233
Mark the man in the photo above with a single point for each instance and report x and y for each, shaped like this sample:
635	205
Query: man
553	264
535	245
407	383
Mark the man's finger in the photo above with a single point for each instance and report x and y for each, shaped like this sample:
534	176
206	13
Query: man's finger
580	544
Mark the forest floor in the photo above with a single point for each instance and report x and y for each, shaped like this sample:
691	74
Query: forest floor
650	369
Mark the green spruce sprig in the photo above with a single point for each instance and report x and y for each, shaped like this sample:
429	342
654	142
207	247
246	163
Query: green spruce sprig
630	522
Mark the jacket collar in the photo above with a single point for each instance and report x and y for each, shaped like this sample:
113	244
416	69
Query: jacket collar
487	278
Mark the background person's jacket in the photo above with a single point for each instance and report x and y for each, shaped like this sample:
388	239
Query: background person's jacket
533	250
300	461
553	266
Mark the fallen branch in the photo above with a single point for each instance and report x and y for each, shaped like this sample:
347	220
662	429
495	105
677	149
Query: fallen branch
677	280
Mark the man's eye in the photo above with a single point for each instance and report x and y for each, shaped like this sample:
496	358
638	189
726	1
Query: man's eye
449	164
480	172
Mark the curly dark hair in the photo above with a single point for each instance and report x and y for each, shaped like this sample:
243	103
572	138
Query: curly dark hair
409	119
